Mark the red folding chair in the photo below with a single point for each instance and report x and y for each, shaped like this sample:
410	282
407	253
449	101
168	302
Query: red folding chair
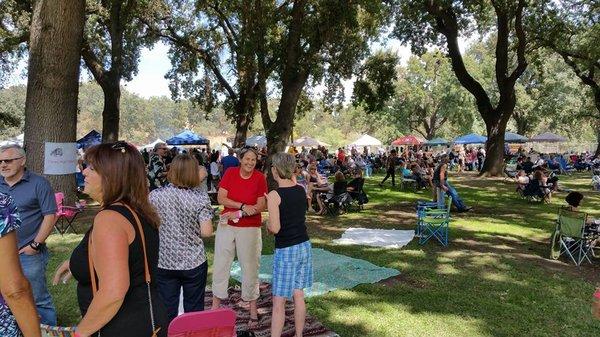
209	323
65	215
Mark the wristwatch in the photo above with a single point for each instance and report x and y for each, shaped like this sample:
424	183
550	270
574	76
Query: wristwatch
242	206
35	246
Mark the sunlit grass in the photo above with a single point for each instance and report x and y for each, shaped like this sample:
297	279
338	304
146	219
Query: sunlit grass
495	278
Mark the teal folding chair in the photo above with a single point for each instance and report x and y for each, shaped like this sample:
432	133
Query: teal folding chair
570	237
434	222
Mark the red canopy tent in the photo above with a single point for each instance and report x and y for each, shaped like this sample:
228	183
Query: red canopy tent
407	140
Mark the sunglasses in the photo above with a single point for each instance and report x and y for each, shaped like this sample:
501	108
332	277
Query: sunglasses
8	161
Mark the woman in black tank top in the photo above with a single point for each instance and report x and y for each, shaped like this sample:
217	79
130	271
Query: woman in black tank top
292	265
123	249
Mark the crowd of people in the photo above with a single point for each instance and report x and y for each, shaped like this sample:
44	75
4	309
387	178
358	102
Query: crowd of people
145	247
146	243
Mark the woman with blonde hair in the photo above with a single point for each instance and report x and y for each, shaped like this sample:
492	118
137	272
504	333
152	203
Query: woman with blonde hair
292	265
115	263
185	218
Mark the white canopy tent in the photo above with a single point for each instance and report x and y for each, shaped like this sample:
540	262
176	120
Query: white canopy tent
309	142
15	140
366	140
151	145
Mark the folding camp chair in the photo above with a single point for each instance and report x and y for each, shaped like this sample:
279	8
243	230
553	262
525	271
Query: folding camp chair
570	238
209	323
65	215
433	222
406	183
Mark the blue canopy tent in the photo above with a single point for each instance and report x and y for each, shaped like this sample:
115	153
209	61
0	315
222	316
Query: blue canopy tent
187	137
92	138
511	137
437	142
471	138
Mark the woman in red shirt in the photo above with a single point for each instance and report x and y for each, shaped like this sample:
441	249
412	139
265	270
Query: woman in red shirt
242	189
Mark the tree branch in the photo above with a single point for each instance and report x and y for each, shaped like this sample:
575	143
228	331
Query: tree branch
93	63
521	44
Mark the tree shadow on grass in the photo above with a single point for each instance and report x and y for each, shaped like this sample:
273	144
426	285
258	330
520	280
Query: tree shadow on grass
487	282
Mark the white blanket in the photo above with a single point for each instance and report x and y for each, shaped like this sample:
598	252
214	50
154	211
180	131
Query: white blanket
388	238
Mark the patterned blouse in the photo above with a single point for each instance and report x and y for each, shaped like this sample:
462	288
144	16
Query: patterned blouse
181	210
9	221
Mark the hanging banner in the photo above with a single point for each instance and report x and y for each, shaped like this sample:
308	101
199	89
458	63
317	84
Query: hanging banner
60	158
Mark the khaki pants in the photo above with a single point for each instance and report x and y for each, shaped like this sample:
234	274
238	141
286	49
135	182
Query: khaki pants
247	242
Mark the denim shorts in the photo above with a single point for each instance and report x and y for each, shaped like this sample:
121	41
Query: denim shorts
292	269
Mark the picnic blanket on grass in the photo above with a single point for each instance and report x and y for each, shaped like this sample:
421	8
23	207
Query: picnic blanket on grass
387	238
331	271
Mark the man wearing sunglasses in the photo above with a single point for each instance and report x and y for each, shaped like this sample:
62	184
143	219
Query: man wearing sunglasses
157	169
35	201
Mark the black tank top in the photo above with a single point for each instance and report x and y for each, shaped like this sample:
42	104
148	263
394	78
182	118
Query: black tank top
292	216
133	318
436	175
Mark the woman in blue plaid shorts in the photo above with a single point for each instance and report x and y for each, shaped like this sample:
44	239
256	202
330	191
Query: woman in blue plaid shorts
292	267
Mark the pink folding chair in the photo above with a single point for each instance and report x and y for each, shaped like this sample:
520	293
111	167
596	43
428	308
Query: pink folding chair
209	323
65	215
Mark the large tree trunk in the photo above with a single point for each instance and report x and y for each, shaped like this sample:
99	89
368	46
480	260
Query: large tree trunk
242	123
494	160
597	153
53	83
111	112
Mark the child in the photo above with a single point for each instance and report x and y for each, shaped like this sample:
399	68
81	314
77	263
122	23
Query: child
292	265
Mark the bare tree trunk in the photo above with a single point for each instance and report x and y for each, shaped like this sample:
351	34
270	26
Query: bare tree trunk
111	113
53	83
494	158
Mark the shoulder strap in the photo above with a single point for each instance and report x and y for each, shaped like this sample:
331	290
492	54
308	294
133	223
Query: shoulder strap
142	238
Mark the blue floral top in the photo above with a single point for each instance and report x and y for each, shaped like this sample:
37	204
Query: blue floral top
9	221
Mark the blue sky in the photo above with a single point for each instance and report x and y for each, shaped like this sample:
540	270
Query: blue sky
154	64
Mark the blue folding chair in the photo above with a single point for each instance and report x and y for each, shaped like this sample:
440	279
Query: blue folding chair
433	222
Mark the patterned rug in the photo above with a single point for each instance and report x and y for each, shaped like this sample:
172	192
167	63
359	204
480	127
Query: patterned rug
265	306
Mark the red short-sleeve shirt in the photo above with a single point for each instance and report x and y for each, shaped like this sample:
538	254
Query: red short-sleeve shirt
244	190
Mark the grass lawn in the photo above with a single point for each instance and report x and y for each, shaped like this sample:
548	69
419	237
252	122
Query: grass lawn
494	279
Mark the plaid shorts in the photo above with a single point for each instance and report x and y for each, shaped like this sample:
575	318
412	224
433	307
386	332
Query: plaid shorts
292	269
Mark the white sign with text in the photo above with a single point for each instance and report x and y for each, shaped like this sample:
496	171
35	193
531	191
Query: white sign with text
60	158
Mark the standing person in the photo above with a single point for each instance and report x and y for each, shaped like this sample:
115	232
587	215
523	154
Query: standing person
35	200
215	172
243	189
157	169
292	265
17	309
440	181
391	169
121	249
229	161
185	218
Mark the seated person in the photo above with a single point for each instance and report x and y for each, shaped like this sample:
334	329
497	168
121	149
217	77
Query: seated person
406	173
596	180
574	199
553	164
355	186
340	185
522	180
527	166
419	175
301	179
